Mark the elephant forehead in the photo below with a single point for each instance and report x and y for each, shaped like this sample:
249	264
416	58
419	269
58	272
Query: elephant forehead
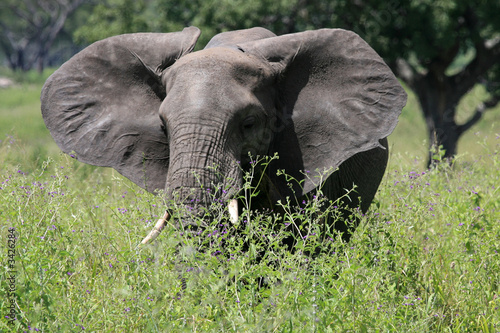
220	65
209	99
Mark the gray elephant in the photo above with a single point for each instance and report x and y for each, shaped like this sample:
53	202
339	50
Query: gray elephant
162	115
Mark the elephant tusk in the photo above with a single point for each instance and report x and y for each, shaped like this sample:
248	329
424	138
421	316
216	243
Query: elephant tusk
233	210
157	228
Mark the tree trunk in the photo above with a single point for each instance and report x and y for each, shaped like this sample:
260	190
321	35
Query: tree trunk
40	62
439	96
443	138
438	100
19	62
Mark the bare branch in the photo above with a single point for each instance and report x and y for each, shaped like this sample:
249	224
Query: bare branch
487	55
405	71
483	107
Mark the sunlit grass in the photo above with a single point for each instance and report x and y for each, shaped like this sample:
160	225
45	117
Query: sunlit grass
424	259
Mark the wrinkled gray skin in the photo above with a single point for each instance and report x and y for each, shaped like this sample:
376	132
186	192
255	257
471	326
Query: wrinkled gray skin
148	106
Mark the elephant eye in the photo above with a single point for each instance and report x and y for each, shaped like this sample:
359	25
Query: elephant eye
248	123
163	126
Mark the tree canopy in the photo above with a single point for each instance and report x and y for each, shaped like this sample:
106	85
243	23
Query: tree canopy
211	16
439	48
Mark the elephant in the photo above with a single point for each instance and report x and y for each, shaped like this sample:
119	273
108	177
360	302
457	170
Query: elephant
163	115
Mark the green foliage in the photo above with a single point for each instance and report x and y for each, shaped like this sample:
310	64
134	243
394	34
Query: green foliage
493	81
114	17
424	259
436	47
402	28
123	16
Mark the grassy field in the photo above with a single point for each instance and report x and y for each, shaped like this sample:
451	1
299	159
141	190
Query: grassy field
424	259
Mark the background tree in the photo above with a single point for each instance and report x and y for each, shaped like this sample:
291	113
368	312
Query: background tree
440	48
29	28
112	17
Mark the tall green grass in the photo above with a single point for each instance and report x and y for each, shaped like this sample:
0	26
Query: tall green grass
424	259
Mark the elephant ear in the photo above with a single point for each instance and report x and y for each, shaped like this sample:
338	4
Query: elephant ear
337	97
232	38
102	105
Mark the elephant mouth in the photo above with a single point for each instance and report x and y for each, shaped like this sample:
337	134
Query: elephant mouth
162	222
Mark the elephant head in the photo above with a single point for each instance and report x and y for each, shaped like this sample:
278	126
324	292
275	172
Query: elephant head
186	122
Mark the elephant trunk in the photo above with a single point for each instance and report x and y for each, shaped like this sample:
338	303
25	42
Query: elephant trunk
203	170
196	186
